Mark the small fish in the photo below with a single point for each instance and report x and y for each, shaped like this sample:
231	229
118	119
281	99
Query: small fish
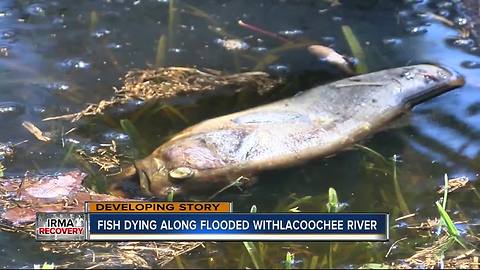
331	56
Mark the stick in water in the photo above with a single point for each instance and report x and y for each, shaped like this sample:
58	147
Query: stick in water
265	32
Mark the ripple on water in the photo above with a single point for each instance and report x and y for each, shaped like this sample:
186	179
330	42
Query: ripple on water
416	30
444	13
328	40
101	33
6	13
114	45
176	50
4	51
39	109
116	136
460	21
444	4
279	69
392	41
11	109
75	63
9	35
291	33
471	64
57	86
474	50
36	10
259	49
461	42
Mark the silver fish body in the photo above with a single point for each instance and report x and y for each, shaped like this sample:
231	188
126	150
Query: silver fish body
317	123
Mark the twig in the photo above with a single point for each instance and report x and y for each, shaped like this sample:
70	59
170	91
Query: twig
359	84
35	131
265	32
393	245
405	217
236	182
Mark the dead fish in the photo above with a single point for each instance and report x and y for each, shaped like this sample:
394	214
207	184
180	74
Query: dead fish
47	193
331	56
317	123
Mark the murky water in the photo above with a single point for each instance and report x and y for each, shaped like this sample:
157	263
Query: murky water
57	56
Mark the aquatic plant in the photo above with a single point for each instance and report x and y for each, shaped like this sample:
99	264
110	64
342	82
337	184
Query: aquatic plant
252	250
289	260
161	54
356	48
135	136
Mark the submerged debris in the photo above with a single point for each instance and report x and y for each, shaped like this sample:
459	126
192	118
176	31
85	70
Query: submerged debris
21	198
472	8
454	184
164	83
6	151
105	156
437	256
35	131
232	44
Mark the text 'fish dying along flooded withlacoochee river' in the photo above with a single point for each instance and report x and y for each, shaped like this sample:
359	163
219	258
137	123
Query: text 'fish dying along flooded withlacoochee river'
315	123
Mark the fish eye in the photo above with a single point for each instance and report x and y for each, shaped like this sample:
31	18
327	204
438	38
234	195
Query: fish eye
181	173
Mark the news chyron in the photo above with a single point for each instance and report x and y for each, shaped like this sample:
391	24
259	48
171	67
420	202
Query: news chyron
204	221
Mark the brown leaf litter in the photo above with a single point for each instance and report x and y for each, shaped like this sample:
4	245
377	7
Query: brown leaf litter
21	198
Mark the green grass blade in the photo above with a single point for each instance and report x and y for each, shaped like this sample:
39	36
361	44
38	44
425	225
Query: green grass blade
332	204
161	55
171	22
297	202
134	135
398	191
170	196
289	260
314	262
451	228
373	152
252	249
355	48
176	112
445	192
253	252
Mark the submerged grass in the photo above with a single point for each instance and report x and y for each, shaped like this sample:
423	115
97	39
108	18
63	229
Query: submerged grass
355	48
332	207
135	136
289	260
253	251
445	217
161	55
172	21
402	204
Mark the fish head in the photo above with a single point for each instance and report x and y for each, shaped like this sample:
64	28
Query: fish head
421	82
154	177
179	167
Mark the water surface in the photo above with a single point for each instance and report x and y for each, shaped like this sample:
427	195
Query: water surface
58	56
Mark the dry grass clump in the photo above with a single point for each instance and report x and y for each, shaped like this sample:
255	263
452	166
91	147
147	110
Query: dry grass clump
168	82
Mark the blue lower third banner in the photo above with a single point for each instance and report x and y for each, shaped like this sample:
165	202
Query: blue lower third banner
238	226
